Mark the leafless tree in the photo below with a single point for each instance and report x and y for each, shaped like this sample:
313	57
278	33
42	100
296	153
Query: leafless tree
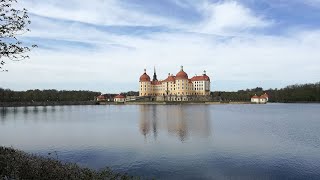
13	23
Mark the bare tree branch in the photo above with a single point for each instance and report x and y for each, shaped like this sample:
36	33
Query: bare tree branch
13	22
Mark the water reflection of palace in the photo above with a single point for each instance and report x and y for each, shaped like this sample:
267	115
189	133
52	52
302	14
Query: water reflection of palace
180	121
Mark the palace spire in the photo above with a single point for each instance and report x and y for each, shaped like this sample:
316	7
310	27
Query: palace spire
154	74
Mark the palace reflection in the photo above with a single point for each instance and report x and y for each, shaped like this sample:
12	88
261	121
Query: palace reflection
180	121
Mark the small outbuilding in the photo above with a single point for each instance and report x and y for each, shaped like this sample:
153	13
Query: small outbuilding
255	99
101	98
260	99
265	96
119	98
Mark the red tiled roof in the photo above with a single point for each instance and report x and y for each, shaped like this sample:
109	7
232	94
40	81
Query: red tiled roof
255	97
170	78
144	77
181	75
200	78
262	97
119	96
101	97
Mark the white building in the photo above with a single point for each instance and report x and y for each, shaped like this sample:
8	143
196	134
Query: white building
119	98
260	100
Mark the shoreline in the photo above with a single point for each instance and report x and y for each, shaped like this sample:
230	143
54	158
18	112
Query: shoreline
48	103
79	103
168	103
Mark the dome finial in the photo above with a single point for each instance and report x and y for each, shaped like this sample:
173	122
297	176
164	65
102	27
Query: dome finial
144	70
204	72
181	68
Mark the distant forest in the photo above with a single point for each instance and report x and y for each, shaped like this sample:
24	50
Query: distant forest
7	95
292	93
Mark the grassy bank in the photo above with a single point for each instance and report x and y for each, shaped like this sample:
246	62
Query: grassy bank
16	164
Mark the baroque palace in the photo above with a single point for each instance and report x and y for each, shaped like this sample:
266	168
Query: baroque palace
175	87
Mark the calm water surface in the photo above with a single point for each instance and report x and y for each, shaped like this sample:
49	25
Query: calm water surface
273	141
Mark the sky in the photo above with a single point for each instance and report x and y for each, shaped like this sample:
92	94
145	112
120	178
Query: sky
104	45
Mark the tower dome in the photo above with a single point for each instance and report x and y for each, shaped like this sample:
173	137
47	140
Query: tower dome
205	77
144	77
181	74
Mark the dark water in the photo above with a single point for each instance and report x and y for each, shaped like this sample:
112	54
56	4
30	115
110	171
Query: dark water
273	141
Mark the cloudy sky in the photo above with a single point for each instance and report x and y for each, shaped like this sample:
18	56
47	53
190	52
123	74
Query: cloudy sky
104	45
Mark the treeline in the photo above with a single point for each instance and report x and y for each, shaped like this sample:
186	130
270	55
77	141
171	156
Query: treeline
129	93
7	95
292	93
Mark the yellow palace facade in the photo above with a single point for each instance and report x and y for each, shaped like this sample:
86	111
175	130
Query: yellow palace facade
178	85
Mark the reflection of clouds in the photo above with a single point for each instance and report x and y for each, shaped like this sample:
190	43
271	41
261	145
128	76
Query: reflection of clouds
178	120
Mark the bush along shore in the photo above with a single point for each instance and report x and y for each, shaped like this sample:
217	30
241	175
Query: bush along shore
15	164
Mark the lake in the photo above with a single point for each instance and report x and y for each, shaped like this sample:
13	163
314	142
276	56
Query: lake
272	141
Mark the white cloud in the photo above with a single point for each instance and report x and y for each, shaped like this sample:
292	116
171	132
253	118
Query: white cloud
229	17
254	58
258	58
220	17
314	3
101	12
